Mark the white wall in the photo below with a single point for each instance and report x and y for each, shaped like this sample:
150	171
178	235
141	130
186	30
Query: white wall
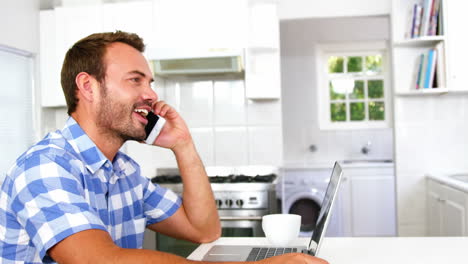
19	24
294	9
300	118
430	138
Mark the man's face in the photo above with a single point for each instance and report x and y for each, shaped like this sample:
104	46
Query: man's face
125	94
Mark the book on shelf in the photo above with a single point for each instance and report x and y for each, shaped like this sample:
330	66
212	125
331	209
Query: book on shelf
440	20
416	21
419	71
433	20
422	74
426	19
440	66
430	69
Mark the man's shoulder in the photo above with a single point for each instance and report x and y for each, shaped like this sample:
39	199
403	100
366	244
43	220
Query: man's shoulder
53	148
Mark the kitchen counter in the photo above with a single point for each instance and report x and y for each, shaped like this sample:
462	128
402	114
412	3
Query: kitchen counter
446	179
371	250
353	163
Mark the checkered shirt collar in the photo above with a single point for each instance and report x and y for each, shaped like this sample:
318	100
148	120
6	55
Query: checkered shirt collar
82	144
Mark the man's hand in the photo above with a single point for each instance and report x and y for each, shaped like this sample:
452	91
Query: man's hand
293	258
175	132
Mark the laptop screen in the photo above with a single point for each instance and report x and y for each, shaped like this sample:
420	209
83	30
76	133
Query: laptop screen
327	204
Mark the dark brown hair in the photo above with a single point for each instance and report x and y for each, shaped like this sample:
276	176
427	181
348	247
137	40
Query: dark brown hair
87	55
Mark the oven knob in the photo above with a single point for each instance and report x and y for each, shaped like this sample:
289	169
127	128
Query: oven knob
229	202
240	203
219	203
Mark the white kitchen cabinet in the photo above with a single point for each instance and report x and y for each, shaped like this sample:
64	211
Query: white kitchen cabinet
367	201
447	210
133	17
62	27
201	23
59	30
50	65
455	11
262	57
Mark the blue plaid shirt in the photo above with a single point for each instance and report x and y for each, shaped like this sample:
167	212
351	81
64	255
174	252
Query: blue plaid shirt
64	185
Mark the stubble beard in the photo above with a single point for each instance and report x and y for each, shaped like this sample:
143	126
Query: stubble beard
115	119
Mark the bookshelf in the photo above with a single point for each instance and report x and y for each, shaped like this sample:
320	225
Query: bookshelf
414	74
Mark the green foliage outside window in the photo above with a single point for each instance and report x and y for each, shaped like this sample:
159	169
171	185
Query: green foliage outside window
358	111
358	91
354	64
334	95
335	64
360	96
375	88
374	64
338	111
376	111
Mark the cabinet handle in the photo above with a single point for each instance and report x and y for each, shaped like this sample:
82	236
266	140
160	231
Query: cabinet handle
441	200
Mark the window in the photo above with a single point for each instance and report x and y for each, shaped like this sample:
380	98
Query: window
353	86
16	122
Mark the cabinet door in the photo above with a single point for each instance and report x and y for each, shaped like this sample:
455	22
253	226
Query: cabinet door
454	212
202	23
134	17
75	23
262	58
51	90
70	25
373	205
457	39
434	209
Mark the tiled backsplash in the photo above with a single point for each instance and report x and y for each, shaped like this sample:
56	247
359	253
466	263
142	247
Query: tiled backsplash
430	137
228	129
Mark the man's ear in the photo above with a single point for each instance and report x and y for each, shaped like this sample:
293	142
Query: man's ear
86	86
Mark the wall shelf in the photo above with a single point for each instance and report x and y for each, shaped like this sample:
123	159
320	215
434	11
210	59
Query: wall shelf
429	92
423	92
417	42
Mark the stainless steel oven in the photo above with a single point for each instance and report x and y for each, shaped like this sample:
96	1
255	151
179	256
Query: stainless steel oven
241	201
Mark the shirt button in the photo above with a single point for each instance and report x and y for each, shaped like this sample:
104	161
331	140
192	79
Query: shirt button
107	165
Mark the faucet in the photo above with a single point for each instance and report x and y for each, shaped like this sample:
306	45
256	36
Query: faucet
366	148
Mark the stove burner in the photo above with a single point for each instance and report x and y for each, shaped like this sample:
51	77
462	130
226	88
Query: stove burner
265	178
218	179
167	179
240	178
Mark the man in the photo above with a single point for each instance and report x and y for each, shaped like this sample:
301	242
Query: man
75	198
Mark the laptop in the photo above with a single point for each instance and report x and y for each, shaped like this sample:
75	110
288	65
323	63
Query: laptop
252	253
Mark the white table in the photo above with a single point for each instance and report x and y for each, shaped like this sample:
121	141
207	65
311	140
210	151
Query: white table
371	250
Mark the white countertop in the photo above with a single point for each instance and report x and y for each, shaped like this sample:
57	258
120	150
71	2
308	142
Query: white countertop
348	164
371	250
445	179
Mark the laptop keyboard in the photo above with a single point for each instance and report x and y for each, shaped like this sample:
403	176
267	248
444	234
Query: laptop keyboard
263	253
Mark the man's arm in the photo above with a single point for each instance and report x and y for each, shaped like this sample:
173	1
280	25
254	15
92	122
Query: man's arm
96	246
197	220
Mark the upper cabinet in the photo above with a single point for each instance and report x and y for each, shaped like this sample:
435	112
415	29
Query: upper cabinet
262	58
200	24
428	49
250	25
135	17
50	65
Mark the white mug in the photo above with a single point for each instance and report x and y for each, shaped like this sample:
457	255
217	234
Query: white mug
281	229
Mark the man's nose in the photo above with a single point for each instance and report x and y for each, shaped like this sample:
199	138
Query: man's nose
150	95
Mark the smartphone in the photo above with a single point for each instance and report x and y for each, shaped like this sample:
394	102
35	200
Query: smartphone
153	128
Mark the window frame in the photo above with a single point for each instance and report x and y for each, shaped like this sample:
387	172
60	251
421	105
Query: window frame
323	51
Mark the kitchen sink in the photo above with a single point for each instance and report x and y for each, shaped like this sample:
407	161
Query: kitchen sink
460	177
367	161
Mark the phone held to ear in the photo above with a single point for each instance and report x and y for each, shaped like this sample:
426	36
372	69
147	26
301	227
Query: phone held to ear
153	128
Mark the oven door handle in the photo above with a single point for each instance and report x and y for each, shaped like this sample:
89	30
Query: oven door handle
241	218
